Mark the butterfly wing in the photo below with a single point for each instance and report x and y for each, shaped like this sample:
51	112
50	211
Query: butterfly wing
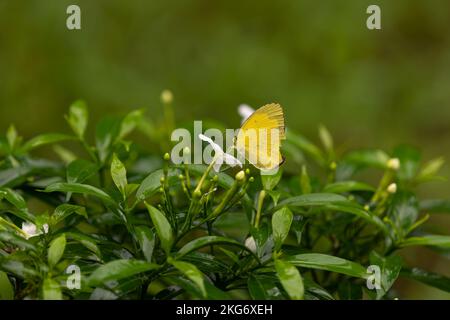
259	138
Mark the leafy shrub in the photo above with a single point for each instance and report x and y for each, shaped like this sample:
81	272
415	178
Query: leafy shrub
138	227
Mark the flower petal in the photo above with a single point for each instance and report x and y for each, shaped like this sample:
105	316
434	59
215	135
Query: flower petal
245	111
214	145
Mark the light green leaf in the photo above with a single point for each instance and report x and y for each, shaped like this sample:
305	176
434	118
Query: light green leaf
130	122
435	206
44	139
306	146
146	240
18	202
192	273
119	269
6	288
119	175
152	182
107	131
56	250
290	279
270	181
78	118
326	138
329	263
163	228
305	182
51	290
347	186
430	240
281	223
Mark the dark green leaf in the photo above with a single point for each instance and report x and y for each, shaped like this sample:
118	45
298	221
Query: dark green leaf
409	162
163	228
435	206
429	278
63	211
119	269
430	240
78	171
347	186
80	188
44	139
15	240
390	269
208	241
192	273
152	183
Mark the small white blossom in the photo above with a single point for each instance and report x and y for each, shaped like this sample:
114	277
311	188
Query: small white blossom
393	163
250	244
245	111
31	230
220	157
392	188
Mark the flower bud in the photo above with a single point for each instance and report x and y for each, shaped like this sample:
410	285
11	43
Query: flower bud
197	194
251	179
392	188
333	166
186	151
181	177
167	156
240	176
247	171
393	163
250	244
166	97
162	179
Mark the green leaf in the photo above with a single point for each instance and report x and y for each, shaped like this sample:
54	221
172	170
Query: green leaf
270	181
329	263
281	224
326	138
119	269
80	170
432	279
146	240
151	184
44	139
305	182
17	201
290	279
163	228
333	202
409	162
435	206
208	241
80	188
403	211
263	287
306	146
12	137
107	131
51	290
390	269
191	272
430	170
430	240
87	241
347	186
6	288
367	158
17	268
64	211
56	250
17	241
119	175
78	118
130	122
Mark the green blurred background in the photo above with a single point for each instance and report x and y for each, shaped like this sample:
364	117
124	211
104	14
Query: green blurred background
317	58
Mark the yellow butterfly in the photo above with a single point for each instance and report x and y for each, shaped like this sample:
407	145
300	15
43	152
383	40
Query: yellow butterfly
259	138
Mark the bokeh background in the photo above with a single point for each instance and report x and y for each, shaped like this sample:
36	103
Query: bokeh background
316	58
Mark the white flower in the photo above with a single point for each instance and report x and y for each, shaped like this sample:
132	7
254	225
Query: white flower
392	188
245	111
393	163
220	157
30	229
250	244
